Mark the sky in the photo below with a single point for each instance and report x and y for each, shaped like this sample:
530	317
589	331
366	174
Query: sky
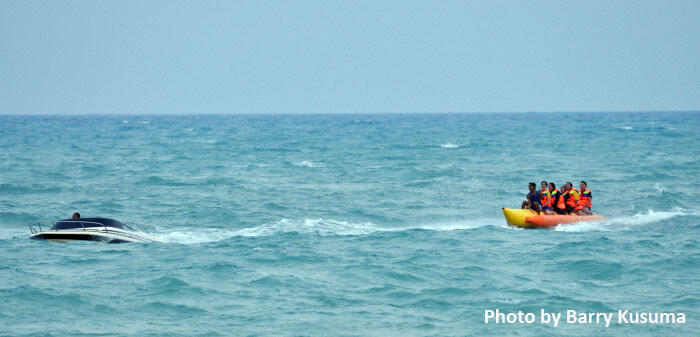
247	57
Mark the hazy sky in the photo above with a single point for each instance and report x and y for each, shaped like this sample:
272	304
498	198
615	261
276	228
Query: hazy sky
155	57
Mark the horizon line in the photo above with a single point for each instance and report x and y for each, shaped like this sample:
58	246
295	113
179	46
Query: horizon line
349	113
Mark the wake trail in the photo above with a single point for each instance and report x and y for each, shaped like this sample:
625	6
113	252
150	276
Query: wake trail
625	222
322	227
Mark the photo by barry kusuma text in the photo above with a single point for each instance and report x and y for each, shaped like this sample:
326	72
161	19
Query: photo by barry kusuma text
622	316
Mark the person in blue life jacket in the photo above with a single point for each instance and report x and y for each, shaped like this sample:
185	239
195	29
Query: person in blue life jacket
533	199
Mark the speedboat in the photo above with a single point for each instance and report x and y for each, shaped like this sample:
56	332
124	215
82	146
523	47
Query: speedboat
89	229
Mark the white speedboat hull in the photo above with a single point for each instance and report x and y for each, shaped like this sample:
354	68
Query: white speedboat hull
100	234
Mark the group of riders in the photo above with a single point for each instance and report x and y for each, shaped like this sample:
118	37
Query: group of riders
552	201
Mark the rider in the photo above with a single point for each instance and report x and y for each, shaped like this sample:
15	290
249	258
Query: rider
533	199
584	205
544	197
574	193
566	202
554	196
570	198
560	206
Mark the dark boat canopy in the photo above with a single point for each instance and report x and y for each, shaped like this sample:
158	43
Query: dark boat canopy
88	222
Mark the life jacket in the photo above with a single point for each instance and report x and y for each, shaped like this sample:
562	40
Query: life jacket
544	198
571	200
562	199
566	198
574	193
585	200
554	198
560	202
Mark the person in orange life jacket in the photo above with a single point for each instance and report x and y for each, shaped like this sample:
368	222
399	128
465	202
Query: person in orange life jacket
567	200
544	197
563	198
575	194
560	206
554	195
533	199
585	203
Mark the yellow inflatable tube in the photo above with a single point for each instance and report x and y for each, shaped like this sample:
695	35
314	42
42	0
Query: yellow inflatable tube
516	217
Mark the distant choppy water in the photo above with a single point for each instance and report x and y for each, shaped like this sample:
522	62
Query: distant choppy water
329	225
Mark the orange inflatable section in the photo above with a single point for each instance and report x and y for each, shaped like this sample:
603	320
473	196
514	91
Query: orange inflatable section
553	220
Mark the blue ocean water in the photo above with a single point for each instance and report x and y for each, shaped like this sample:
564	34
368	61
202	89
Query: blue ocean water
346	225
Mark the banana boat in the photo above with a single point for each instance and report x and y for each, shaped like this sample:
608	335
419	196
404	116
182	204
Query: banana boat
528	218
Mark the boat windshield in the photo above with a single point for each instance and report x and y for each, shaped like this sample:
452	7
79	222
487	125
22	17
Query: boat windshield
89	222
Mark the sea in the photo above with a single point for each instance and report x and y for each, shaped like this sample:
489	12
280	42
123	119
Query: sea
348	225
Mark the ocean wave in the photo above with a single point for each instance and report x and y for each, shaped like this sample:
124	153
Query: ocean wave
17	218
15	225
169	285
14	233
587	268
52	298
11	189
160	181
173	309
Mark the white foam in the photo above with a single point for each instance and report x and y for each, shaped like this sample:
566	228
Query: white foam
660	187
194	236
649	217
508	301
305	163
626	128
600	226
458	225
312	226
624	223
449	146
306	226
323	227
